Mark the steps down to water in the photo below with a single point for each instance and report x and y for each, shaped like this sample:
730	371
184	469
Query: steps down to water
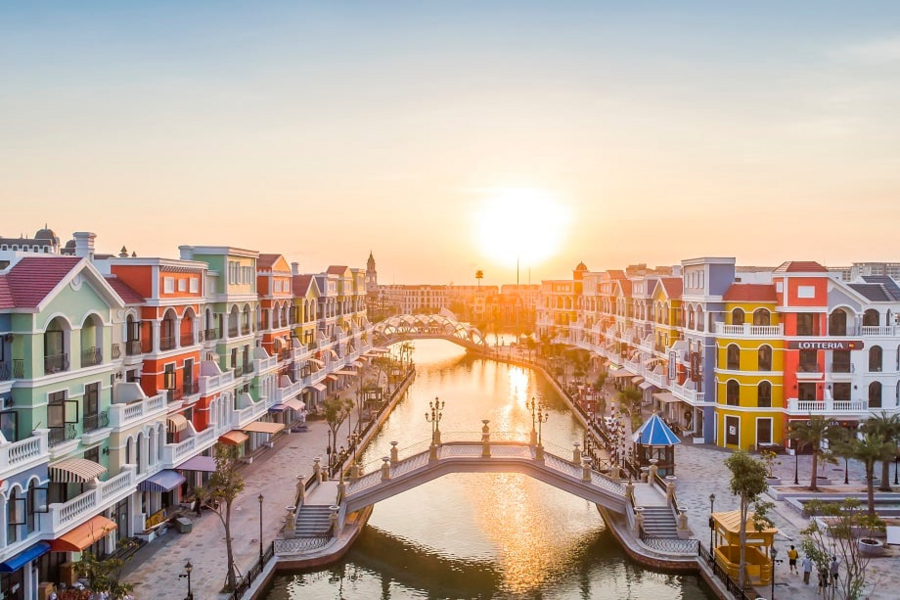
660	522
313	521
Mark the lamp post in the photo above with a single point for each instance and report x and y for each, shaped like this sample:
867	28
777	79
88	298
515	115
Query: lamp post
712	525
541	417
260	498
434	417
896	457
774	554
535	407
187	573
796	459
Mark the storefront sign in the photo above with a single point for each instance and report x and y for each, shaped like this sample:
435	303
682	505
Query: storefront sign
672	359
825	345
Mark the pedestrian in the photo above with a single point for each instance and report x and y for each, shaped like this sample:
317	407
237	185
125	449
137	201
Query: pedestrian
792	559
823	579
197	506
833	568
806	563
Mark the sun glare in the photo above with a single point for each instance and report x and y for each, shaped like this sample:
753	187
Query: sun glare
520	224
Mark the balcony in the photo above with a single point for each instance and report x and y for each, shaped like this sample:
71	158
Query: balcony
95	421
233	332
106	494
690	396
56	363
750	331
190	387
167	342
210	334
175	454
24	454
806	371
827	407
92	356
880	330
58	435
132	406
116	351
5	370
238	370
288	391
187	339
133	347
213	380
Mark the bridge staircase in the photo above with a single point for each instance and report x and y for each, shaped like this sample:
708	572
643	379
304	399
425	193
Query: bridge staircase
659	522
313	522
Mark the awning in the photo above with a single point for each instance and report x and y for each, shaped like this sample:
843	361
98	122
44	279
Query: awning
646	385
75	470
84	535
620	374
320	386
654	432
377	350
636	380
204	464
666	397
346	372
316	362
263	427
176	423
331	377
233	438
163	481
18	561
292	404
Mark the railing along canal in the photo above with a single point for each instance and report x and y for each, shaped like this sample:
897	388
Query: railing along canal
730	584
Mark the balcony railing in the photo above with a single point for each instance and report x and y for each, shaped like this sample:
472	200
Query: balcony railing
95	421
809	368
58	435
191	387
233	331
238	370
133	347
122	415
842	367
92	356
116	351
187	339
748	330
5	370
806	407
25	451
56	363
211	334
167	342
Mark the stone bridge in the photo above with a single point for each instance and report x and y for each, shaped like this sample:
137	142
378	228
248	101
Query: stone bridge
440	327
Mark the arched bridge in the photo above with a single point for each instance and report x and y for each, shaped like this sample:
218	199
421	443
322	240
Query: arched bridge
443	327
397	476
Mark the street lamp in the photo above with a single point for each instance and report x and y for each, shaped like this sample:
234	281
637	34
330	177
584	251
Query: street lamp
434	417
260	498
536	408
187	573
712	525
774	554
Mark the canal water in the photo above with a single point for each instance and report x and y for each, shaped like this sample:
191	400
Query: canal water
481	535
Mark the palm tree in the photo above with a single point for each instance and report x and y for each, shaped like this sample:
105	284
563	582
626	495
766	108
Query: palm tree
840	443
479	275
869	450
630	402
811	433
887	428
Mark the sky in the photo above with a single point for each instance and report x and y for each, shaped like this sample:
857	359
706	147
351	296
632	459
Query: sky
456	136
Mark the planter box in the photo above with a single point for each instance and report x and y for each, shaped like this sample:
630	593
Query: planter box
871	547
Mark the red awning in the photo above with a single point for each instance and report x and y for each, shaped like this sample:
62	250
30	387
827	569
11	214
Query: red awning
84	535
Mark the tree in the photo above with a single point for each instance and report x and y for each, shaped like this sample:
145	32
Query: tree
839	534
337	409
580	359
223	487
886	427
748	481
630	400
869	450
840	444
811	433
103	575
479	275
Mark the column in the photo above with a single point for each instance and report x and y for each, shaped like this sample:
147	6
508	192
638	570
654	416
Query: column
154	334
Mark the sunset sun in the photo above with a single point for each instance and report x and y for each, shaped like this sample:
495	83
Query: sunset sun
521	224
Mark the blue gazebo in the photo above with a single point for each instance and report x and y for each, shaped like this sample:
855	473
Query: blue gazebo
654	440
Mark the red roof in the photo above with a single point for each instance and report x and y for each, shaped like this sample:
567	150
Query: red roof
674	286
6	297
300	284
800	266
265	261
336	270
616	274
32	278
751	292
626	287
126	293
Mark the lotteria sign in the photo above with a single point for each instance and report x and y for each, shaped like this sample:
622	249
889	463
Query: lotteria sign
825	345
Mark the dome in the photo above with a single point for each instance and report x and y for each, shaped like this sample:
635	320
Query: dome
46	234
581	267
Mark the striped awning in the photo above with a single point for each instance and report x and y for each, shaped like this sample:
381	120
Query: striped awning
176	423
233	438
263	427
292	404
161	482
75	470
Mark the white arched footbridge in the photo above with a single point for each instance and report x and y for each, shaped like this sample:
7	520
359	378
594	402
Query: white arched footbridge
440	327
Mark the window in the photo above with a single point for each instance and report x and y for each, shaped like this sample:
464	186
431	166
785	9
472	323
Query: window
737	317
764	394
732	393
764	358
870	318
779	286
195	285
806	324
168	285
763	431
733	356
840	361
837	323
761	317
809	361
182	285
806	291
806	391
875	394
840	391
875	356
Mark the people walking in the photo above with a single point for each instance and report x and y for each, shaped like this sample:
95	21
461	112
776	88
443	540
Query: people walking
823	580
806	563
833	569
792	559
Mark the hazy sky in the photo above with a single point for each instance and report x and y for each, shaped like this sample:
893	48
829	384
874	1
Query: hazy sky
667	130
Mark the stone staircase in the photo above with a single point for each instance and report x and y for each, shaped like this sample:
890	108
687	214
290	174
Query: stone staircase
660	522
312	522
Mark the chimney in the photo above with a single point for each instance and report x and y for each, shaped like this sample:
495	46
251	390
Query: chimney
187	252
295	268
84	244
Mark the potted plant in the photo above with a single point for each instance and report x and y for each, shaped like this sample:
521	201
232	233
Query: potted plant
770	459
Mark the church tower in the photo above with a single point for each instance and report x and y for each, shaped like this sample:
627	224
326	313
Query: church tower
371	273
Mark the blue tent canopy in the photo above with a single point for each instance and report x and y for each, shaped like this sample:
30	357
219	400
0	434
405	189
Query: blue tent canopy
655	433
22	558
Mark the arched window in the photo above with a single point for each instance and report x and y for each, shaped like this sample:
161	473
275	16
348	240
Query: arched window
837	323
737	316
56	345
871	318
761	317
764	394
733	357
732	392
700	318
875	356
875	394
764	358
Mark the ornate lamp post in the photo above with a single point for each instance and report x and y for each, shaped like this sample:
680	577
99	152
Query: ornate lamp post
774	554
187	573
712	524
260	498
540	417
434	417
536	408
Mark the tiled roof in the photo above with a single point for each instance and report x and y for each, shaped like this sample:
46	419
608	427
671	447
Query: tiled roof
872	291
300	284
265	261
890	286
6	297
626	286
800	266
751	292
126	293
33	277
616	274
336	270
674	286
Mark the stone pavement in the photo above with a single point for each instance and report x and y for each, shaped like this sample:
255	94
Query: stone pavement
155	567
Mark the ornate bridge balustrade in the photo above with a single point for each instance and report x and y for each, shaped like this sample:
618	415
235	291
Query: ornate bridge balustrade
404	327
